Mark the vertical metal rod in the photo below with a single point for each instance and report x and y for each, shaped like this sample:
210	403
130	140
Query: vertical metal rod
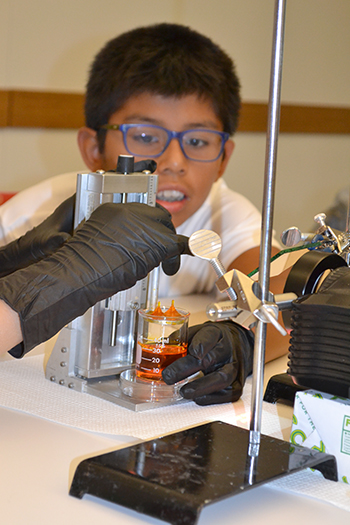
114	321
267	216
153	287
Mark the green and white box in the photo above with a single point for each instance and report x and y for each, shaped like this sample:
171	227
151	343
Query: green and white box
322	422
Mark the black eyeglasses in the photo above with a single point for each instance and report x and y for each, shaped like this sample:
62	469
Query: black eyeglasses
148	140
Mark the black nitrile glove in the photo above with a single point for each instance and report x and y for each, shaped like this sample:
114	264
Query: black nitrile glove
39	242
223	351
119	245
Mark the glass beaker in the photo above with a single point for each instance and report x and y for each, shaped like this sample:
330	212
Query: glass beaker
162	338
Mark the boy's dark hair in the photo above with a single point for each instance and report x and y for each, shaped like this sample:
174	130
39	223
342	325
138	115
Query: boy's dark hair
164	59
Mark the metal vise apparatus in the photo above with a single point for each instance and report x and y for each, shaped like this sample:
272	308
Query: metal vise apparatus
94	348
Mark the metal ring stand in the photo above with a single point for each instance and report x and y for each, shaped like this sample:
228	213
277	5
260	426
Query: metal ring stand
173	477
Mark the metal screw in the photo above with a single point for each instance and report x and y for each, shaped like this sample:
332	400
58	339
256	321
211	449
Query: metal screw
133	305
320	219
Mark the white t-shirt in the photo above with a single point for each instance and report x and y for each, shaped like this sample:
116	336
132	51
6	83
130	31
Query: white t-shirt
232	217
224	211
31	206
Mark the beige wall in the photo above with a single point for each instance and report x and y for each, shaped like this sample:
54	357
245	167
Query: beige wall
45	44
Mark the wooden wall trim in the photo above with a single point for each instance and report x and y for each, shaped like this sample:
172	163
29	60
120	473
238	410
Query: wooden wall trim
43	109
297	119
3	108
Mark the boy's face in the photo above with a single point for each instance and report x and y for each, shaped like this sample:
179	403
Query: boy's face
183	184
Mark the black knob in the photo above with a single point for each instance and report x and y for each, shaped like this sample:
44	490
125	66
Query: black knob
125	164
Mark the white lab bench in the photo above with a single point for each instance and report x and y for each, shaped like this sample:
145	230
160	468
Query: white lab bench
38	459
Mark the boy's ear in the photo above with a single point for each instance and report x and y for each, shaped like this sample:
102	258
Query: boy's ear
89	150
229	147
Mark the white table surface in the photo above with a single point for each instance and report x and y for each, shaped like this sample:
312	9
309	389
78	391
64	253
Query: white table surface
38	459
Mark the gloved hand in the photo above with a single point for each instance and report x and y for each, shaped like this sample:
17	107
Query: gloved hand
39	242
223	351
119	245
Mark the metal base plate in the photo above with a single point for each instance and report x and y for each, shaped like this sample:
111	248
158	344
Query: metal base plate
110	390
173	477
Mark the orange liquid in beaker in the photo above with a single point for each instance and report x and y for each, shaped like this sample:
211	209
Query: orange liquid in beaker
154	358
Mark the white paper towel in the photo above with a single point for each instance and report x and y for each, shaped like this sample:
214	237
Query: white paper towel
23	387
312	484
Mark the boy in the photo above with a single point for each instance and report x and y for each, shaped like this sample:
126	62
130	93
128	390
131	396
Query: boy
174	78
168	93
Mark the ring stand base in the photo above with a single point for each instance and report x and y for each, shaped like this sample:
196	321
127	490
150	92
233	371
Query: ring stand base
173	477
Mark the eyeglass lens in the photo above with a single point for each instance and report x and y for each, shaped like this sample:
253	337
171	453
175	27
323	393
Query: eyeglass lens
152	141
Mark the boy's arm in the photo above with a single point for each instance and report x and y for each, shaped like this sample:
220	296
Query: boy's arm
276	344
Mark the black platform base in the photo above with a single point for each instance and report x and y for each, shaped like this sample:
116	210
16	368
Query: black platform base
282	389
172	478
